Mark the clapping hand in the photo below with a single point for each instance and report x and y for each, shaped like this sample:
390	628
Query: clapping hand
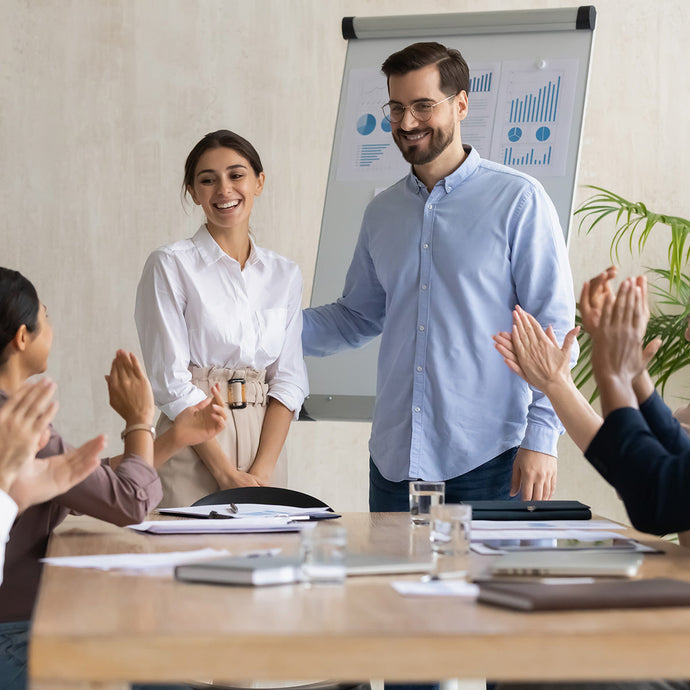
534	354
592	297
41	479
617	340
201	422
24	421
129	389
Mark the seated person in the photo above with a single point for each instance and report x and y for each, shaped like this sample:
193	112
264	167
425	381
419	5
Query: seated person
122	490
639	448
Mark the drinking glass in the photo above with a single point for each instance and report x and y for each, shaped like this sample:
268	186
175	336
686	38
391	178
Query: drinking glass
423	496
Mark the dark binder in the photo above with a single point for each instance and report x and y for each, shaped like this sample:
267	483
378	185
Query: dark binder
529	510
628	594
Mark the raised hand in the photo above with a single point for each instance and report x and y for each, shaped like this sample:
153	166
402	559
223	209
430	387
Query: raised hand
202	421
592	297
534	354
129	389
617	341
41	479
24	421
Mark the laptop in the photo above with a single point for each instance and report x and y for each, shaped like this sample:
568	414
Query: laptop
273	570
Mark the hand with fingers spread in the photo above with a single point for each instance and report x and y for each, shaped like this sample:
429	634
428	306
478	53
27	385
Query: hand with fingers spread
592	297
24	421
201	422
534	354
130	391
41	479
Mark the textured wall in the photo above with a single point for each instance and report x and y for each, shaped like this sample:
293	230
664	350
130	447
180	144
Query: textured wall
101	101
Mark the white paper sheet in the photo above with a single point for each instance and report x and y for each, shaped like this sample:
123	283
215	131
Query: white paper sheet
136	561
205	526
436	588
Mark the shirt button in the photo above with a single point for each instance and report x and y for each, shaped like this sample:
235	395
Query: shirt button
417	409
424	287
419	368
425	246
421	328
430	206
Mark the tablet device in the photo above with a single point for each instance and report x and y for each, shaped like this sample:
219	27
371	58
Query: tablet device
561	544
567	563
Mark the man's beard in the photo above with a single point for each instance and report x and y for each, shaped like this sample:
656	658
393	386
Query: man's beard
439	141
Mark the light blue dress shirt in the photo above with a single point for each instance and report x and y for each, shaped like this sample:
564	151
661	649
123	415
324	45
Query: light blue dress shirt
438	274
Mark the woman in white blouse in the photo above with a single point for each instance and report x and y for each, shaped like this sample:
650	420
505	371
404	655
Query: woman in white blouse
217	307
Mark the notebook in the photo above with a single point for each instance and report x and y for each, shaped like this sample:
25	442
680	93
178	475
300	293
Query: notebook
273	570
610	594
567	563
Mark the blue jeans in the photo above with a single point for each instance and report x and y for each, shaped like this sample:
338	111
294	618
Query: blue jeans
488	482
14	642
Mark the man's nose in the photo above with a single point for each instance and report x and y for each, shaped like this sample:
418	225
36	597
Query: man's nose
409	121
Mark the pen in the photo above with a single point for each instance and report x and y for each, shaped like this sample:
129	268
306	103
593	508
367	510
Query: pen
214	515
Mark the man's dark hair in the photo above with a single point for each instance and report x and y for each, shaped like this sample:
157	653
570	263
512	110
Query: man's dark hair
454	72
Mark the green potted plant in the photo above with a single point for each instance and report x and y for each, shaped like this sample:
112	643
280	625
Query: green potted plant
634	224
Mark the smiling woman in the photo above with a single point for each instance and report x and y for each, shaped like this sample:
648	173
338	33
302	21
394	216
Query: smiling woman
217	309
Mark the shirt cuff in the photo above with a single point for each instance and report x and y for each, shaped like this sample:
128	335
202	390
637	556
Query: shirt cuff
172	409
542	439
291	396
8	512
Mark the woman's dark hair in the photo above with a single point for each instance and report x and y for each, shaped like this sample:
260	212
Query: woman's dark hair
223	138
19	306
452	68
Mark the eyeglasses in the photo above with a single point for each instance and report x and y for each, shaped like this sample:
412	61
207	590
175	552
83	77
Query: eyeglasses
395	112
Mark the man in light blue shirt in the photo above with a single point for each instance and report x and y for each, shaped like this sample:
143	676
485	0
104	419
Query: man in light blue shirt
443	257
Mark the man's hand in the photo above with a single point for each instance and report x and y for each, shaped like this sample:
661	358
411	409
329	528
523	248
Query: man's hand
24	421
41	479
594	293
534	475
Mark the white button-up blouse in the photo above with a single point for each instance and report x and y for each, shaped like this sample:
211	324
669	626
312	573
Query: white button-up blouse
195	306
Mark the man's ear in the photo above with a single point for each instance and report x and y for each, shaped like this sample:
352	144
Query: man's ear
461	105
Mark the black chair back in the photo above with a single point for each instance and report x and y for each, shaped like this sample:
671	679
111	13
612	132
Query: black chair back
272	495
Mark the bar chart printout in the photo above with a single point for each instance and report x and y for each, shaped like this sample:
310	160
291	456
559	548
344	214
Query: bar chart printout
367	150
534	114
478	126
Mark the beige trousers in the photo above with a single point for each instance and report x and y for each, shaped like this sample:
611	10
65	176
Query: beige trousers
184	477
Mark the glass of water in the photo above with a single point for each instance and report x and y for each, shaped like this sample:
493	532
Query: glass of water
322	552
450	536
423	496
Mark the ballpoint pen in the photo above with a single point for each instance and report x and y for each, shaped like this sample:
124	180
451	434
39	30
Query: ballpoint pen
215	515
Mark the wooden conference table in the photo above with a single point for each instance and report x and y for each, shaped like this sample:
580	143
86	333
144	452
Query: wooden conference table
98	629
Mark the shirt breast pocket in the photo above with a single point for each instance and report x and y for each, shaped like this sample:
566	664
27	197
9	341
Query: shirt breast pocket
272	325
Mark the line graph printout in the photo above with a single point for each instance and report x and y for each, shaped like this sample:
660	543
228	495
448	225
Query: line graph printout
533	116
477	128
367	150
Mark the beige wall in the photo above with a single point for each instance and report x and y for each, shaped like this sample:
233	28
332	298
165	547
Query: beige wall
100	102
